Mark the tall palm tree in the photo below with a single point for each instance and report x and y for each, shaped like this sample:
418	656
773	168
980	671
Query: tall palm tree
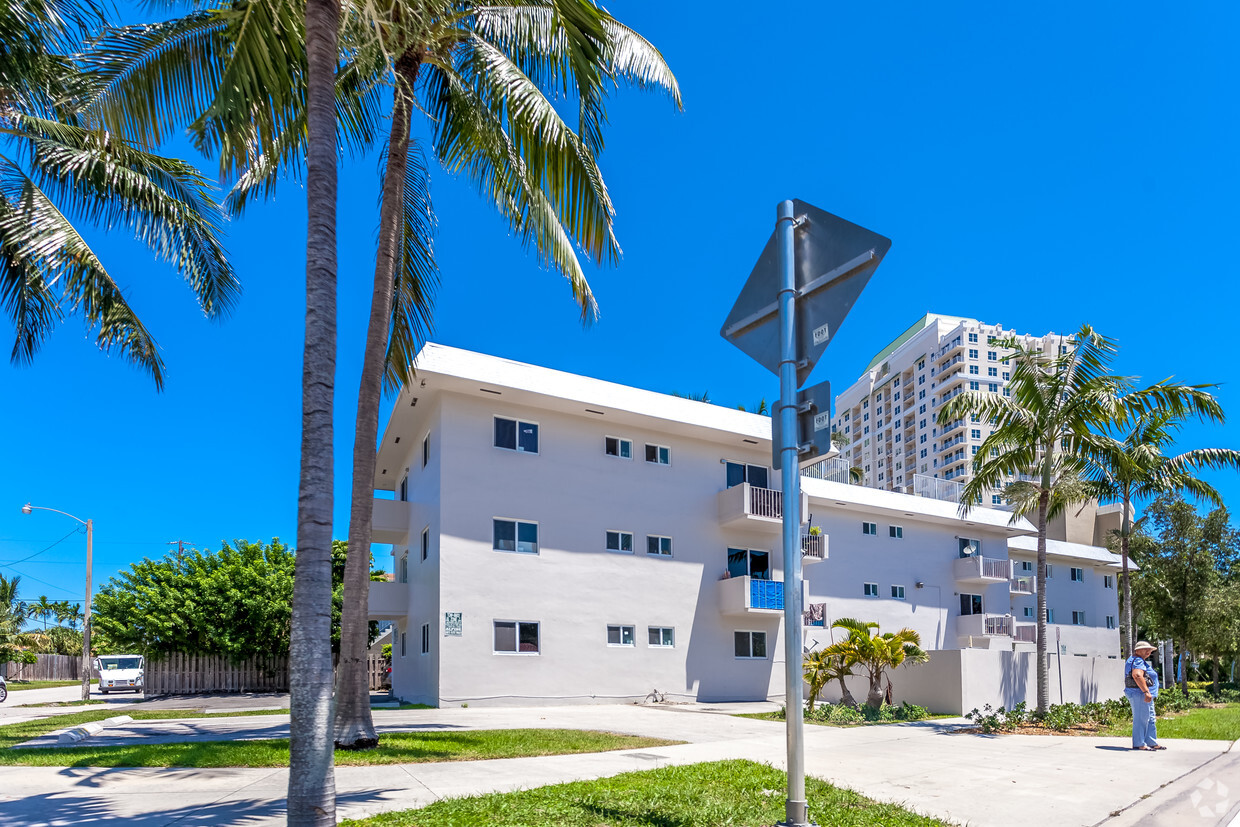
875	653
59	171
1131	466
821	667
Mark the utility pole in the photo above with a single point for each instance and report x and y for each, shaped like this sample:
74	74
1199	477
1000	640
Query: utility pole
180	544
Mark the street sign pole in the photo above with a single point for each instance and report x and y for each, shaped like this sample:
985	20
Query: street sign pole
795	807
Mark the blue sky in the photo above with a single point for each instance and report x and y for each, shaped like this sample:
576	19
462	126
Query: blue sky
1037	166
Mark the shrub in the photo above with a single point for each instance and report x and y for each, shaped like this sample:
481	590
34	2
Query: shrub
990	720
839	714
1062	717
1171	699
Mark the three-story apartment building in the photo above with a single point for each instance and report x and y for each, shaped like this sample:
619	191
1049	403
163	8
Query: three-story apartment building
557	538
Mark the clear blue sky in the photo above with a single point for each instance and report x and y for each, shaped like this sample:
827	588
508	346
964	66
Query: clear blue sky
1037	166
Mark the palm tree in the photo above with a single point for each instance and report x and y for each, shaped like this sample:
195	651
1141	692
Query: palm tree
43	608
59	170
821	667
875	653
1132	466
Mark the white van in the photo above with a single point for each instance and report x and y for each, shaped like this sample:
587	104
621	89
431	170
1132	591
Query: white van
119	673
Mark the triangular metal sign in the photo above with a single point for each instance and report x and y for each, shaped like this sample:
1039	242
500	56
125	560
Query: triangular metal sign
834	261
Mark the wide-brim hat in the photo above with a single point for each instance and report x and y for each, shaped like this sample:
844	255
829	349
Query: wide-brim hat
1142	644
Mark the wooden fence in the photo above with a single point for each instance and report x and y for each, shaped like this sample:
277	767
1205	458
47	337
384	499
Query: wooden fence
48	668
202	674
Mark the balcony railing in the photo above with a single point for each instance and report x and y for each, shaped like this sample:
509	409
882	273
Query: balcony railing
953	425
813	547
951	443
1025	633
936	489
766	502
984	625
1022	585
978	569
746	595
766	594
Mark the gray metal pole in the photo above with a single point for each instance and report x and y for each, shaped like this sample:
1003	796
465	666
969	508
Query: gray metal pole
795	806
90	539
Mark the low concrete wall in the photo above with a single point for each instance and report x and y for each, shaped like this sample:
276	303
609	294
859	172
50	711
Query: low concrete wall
956	681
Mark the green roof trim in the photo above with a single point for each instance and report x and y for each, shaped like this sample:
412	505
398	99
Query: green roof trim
917	326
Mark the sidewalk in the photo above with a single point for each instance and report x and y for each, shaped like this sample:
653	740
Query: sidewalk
1005	781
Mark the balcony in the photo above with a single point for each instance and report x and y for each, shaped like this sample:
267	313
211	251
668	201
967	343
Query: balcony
951	443
1022	585
389	522
952	426
745	504
952	380
813	548
982	570
953	346
984	626
748	596
388	601
1025	633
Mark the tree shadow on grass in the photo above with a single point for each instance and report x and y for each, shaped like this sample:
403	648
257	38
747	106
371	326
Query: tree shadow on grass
646	817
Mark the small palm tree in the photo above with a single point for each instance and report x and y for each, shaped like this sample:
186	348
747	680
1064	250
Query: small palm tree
822	667
1131	465
876	653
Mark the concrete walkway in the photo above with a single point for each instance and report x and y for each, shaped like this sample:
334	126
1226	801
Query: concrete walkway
1007	781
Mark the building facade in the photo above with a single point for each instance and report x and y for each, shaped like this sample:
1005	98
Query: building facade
890	414
560	539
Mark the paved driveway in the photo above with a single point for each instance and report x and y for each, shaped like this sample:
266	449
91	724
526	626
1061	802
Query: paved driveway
1007	781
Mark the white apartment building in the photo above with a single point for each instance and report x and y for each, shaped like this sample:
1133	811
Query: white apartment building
561	539
890	413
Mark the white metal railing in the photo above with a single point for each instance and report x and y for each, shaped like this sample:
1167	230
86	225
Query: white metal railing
766	502
999	625
993	567
814	545
936	489
951	443
1025	633
832	469
1022	585
953	425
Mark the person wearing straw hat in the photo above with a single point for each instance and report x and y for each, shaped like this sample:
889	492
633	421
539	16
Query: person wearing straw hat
1141	688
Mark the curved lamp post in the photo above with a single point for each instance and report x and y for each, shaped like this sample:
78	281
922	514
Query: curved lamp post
90	536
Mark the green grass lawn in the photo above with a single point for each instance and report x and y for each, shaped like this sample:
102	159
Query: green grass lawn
718	794
17	686
394	748
1221	724
12	734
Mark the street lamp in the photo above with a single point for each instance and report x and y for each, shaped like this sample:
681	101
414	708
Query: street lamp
90	536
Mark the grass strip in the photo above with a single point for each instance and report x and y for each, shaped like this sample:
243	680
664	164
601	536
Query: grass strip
1207	724
13	734
716	794
18	686
394	748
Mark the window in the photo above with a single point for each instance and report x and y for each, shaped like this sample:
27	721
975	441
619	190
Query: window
994	452
972	353
404	488
970	604
750	644
969	548
992	371
921	380
972	338
515	435
897	592
992	356
1077	575
921	440
896	531
996	499
993	387
922	424
921	409
973	370
1006	376
404	568
614	446
1028	611
921	365
749	562
1110	621
923	455
515	535
516	637
620	541
869	589
1108	581
867	430
975	433
974	453
426	542
1007	391
658	454
869	528
865	417
755	475
426	638
402	644
1026	565
662	637
1078	618
426	450
621	636
657	546
1050	615
921	394
865	403
1049	570
974	386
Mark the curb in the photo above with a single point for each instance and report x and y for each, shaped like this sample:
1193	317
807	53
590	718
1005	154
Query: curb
80	733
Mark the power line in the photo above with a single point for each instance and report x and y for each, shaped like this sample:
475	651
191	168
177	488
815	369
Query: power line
49	548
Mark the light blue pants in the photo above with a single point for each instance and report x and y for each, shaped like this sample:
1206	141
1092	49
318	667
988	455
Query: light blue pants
1144	726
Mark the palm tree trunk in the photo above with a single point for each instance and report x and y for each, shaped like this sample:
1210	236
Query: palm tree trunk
846	697
874	699
311	782
355	727
1044	684
1126	606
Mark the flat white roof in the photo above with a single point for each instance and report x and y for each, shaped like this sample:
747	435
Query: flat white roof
1075	551
877	501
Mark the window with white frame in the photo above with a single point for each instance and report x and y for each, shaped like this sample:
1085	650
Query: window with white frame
970	604
515	435
974	386
969	547
738	472
972	338
1077	575
869	589
895	531
992	371
992	356
614	446
869	528
621	636
1110	621
515	535
749	644
1026	566
426	542
404	568
426	638
993	387
516	637
658	545
620	541
897	592
1050	571
658	454
748	562
972	353
661	637
975	433
973	370
1108	581
404	488
1028	611
1050	615
996	499
1078	618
